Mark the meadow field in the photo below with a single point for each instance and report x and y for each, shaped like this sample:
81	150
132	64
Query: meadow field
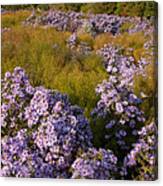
79	91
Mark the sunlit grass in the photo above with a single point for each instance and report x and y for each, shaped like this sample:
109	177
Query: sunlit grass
126	40
49	62
11	19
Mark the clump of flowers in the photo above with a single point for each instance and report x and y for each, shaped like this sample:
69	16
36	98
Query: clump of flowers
90	23
123	116
95	164
118	104
121	68
16	155
60	20
48	129
106	23
141	161
16	94
72	41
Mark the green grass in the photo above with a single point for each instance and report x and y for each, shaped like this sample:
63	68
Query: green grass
47	60
12	19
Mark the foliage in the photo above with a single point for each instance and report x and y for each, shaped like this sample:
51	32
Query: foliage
146	9
104	63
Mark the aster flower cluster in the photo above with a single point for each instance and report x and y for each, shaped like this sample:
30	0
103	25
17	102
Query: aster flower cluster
21	159
121	68
88	27
144	149
118	104
124	119
16	93
15	154
61	133
106	23
95	164
94	24
71	21
72	41
48	130
62	21
138	25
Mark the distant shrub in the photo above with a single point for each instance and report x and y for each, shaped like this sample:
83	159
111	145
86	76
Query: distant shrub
120	8
66	6
25	7
150	9
15	7
95	8
136	8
